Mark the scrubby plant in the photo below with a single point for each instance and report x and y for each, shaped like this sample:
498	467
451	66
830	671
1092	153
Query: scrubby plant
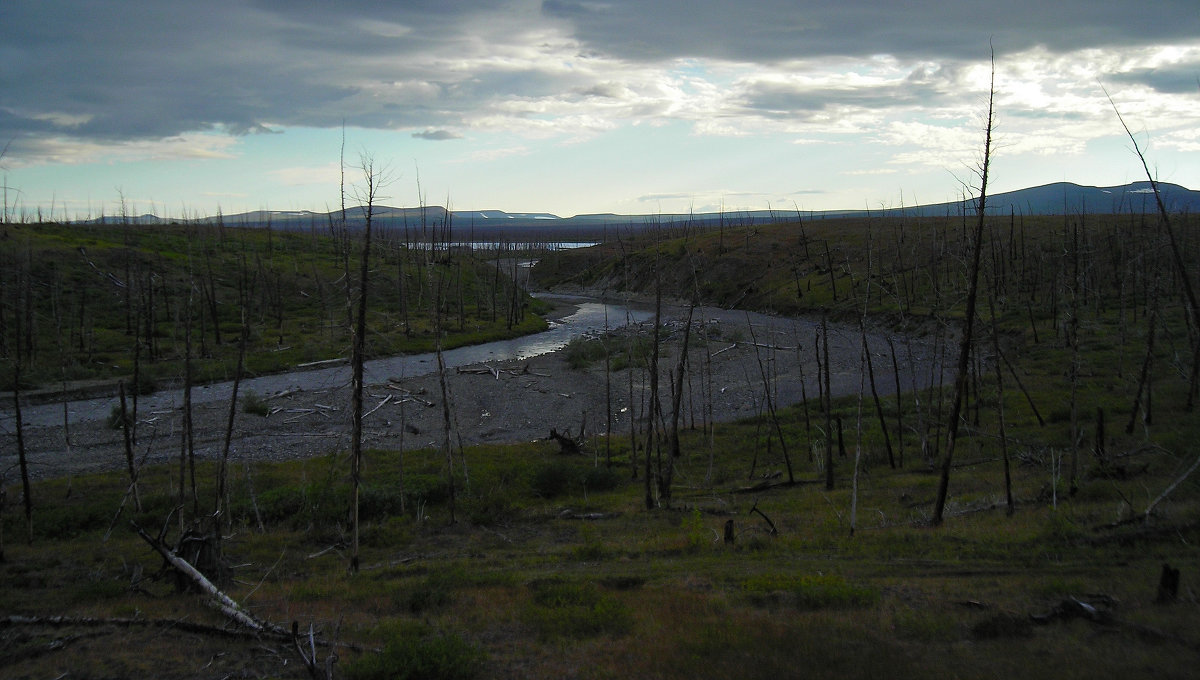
576	610
409	656
254	404
118	418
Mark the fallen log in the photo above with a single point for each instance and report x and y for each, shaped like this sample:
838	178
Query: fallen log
324	362
588	516
216	598
92	622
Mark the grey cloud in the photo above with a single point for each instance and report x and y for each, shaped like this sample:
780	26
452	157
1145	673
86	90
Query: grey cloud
777	30
1178	79
791	101
650	198
436	135
606	90
147	69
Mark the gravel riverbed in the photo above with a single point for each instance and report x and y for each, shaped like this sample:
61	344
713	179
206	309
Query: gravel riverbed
492	401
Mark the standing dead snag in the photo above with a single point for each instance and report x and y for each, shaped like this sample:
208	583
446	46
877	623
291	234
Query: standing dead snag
358	351
1168	584
964	347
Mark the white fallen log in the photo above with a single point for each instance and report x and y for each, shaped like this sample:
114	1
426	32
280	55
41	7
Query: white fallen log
217	599
722	351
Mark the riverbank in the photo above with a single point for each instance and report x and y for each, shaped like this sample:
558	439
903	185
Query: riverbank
493	401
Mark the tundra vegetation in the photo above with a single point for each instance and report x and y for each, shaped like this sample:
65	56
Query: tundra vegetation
1078	407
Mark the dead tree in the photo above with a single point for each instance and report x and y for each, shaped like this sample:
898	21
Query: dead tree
964	347
651	420
566	445
371	179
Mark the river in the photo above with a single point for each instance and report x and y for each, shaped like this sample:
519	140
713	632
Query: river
591	316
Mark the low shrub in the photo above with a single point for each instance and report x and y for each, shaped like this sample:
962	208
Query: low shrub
115	420
552	479
255	405
407	656
815	591
576	611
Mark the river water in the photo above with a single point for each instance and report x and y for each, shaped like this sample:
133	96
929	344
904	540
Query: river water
591	316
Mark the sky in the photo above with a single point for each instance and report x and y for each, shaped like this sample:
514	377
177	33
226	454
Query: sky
184	109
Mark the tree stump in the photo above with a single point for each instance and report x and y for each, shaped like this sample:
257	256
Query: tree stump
1168	584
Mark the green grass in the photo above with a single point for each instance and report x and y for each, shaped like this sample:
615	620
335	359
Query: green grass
97	291
547	566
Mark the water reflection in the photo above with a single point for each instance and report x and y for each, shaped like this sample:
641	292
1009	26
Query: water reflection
590	317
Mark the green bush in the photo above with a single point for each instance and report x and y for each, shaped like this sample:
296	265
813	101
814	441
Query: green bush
146	382
254	404
552	479
603	479
379	502
816	591
577	611
437	590
115	421
582	352
412	657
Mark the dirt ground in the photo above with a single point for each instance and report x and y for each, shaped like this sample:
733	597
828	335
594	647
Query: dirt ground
500	402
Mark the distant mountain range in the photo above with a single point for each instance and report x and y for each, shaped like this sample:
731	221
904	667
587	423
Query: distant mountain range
1060	198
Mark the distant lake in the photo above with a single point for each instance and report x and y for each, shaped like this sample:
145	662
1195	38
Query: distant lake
505	245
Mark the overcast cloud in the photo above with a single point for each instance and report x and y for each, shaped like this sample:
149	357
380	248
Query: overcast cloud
81	80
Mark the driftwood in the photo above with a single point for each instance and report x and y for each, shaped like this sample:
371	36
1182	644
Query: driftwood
325	362
284	393
378	406
587	516
722	351
409	395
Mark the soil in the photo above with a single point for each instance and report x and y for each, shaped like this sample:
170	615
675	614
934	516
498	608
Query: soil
501	402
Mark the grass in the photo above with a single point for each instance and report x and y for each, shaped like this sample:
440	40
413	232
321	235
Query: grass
552	566
94	292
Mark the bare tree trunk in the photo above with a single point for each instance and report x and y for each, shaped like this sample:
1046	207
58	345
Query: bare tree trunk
964	348
651	425
1008	495
827	406
222	500
676	404
1176	251
770	401
187	434
125	430
27	497
358	352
